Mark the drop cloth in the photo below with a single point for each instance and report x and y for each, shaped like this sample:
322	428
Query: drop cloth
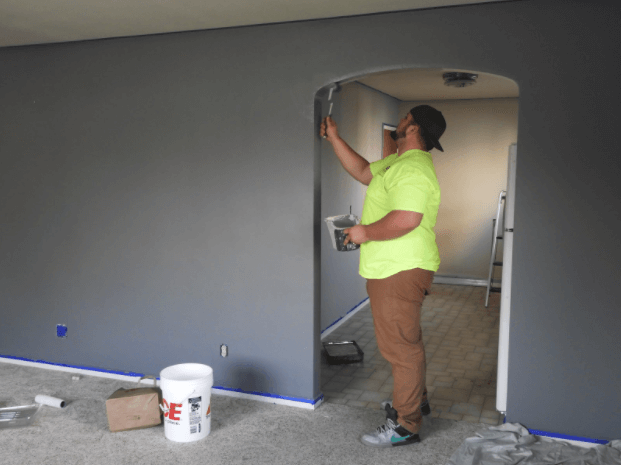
511	443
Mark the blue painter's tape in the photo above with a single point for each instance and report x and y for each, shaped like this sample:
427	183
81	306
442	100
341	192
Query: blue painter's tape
348	312
267	394
335	322
123	373
358	305
140	375
564	436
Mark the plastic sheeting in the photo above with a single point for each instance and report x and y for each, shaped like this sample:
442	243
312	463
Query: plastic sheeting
511	443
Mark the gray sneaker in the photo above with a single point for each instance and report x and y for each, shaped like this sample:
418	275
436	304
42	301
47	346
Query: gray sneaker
391	434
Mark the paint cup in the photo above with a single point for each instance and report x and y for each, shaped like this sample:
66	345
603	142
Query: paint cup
336	225
186	401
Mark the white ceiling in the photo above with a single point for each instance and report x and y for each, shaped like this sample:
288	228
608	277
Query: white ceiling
25	22
427	84
29	22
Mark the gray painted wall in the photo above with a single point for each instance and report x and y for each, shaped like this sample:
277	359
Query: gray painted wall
161	195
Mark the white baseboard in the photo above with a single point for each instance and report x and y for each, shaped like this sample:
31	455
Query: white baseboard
586	443
69	369
572	442
272	399
340	322
457	281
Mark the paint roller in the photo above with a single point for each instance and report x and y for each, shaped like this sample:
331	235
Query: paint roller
51	401
333	88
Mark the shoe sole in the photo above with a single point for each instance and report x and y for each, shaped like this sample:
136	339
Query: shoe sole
413	440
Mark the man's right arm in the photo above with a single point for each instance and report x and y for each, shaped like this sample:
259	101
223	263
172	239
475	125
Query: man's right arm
354	164
358	167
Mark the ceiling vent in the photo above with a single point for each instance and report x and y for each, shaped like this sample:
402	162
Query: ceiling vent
459	79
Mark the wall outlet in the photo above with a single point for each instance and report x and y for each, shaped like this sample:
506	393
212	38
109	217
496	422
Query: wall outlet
61	330
224	350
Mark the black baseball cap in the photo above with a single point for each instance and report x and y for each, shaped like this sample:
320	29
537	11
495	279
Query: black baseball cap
432	121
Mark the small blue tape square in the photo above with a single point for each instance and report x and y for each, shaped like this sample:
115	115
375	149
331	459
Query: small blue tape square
61	330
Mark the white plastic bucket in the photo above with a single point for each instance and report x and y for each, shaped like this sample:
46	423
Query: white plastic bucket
186	401
336	225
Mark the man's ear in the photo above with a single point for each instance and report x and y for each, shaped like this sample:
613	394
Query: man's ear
413	128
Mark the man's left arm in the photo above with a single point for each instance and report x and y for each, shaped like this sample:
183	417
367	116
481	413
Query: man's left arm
395	224
407	183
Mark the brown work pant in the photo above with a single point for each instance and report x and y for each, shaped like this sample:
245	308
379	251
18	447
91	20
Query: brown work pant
396	303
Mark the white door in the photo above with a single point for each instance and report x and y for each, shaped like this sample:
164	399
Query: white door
505	294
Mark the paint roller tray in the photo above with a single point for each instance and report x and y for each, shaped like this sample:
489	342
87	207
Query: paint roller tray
339	353
13	417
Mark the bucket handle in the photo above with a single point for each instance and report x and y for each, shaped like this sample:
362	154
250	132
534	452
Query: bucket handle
149	377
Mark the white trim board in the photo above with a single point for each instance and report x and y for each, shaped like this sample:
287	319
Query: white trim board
455	281
340	322
308	405
584	444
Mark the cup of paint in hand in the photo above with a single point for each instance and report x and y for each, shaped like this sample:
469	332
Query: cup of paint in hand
336	226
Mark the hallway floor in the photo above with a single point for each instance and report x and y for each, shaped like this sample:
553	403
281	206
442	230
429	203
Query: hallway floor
461	345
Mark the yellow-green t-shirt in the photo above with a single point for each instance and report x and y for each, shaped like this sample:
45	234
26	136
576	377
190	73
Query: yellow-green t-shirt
407	182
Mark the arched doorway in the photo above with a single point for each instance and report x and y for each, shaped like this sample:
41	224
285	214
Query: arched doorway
481	126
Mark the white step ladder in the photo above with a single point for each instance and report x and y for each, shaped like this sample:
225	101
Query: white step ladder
492	261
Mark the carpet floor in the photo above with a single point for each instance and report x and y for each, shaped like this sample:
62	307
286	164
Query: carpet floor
242	431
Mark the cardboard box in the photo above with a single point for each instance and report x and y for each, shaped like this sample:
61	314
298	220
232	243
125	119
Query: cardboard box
129	409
